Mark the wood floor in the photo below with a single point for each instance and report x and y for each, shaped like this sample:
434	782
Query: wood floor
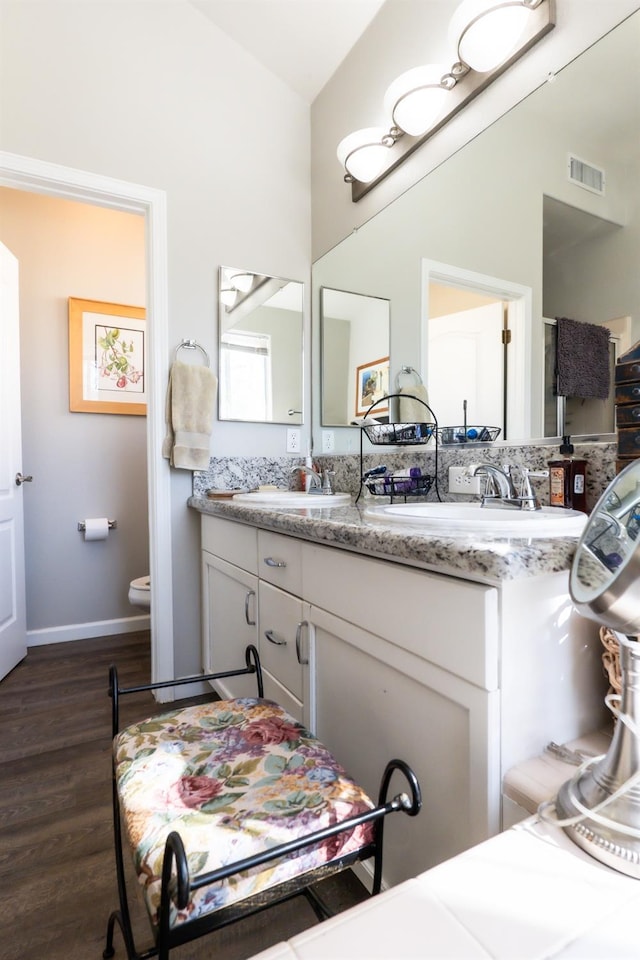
56	849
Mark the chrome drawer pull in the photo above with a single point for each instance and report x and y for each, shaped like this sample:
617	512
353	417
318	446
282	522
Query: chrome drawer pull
303	662
270	562
269	634
249	594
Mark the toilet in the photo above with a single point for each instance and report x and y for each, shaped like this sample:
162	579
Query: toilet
140	592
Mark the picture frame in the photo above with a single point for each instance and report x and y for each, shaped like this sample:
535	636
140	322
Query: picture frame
372	384
107	358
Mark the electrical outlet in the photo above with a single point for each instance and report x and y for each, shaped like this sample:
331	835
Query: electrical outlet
462	481
293	440
328	441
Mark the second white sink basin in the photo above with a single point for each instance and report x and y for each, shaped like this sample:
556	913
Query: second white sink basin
292	498
460	518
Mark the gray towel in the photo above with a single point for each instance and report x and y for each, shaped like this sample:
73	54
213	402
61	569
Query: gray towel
582	359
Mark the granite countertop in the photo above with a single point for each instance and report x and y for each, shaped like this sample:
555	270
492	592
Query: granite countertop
470	556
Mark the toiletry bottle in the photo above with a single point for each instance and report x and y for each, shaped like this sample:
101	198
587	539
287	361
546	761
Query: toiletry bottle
567	486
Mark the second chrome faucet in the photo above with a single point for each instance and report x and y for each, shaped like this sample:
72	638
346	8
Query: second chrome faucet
501	490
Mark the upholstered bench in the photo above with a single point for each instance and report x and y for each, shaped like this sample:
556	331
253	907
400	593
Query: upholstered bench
229	807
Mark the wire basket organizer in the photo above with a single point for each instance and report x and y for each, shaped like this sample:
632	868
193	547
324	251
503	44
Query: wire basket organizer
469	434
390	485
405	434
388	433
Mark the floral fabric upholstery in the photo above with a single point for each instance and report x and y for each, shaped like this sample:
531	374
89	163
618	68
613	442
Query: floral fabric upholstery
232	778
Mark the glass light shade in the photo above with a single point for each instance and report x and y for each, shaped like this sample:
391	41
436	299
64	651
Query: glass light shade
486	32
416	100
242	281
228	296
363	154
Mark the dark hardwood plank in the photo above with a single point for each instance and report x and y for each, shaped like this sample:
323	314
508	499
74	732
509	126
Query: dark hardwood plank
56	843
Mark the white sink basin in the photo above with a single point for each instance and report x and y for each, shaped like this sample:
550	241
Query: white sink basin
291	498
459	518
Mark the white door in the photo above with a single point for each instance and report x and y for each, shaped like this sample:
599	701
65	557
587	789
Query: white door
13	616
470	342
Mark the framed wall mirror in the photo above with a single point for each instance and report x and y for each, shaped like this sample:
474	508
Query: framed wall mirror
354	365
520	203
260	347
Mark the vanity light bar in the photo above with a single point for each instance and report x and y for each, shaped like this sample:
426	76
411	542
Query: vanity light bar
464	84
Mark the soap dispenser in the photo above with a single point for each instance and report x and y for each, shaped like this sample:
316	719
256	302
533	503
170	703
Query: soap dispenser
567	486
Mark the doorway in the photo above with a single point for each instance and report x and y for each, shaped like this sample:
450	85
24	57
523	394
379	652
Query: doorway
503	310
23	173
84	464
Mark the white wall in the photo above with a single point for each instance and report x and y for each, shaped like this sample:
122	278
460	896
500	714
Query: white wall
83	464
404	34
153	93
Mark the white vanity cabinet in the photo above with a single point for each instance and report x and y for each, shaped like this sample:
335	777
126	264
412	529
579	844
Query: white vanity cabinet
383	659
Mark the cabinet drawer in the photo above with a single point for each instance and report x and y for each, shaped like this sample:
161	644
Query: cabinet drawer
628	371
628	393
280	561
628	415
232	541
629	442
275	691
451	623
279	615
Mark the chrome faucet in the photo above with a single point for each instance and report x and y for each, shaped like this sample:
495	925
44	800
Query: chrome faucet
501	479
307	471
327	482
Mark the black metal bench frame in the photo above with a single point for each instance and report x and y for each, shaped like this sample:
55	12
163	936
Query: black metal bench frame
177	885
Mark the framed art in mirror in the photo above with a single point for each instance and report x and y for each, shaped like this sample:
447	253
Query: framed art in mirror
372	385
107	352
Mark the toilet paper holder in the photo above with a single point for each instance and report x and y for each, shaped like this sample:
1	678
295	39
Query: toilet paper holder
113	525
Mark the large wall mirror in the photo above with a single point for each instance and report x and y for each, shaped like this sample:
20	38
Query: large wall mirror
260	347
354	331
512	209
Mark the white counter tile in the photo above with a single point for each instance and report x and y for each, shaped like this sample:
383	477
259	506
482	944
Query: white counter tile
528	893
404	922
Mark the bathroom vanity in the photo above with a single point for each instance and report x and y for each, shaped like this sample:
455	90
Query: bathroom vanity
461	655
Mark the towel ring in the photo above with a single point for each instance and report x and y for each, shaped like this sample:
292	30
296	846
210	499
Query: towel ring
191	345
408	371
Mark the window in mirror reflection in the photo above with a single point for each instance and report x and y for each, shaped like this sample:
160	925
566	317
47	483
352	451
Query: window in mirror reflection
354	336
260	340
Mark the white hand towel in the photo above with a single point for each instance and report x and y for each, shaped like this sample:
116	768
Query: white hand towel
411	410
189	415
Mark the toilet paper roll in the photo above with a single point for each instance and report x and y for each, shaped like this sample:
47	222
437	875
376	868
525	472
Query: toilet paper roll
96	528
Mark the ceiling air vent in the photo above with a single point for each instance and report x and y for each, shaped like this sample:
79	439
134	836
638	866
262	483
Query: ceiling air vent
586	175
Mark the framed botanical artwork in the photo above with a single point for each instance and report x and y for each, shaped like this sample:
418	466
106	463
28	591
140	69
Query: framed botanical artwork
107	358
372	384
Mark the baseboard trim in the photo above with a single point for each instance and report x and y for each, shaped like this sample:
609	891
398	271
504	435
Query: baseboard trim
87	631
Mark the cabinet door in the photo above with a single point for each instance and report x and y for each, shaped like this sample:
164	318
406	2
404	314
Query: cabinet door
230	615
376	702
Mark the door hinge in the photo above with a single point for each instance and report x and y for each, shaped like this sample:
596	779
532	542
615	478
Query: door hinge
506	337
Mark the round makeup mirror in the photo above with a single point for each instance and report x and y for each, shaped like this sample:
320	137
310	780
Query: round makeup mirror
599	807
605	576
